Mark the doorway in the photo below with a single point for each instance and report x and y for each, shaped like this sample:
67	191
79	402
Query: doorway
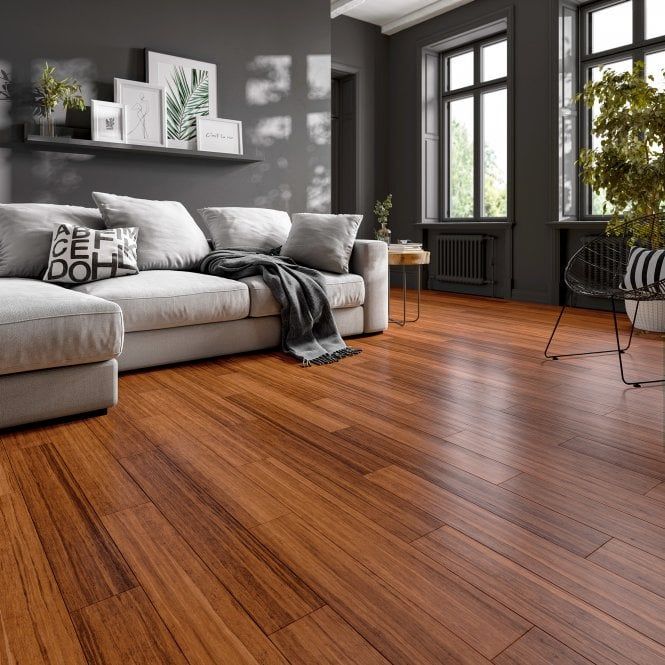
344	194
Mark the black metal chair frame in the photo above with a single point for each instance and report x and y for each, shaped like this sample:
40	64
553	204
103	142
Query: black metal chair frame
597	269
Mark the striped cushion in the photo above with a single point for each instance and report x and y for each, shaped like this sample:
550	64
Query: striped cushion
646	268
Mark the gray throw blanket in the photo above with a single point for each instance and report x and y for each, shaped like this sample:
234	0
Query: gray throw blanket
309	331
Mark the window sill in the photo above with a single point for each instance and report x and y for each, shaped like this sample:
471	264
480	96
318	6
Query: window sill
467	224
564	224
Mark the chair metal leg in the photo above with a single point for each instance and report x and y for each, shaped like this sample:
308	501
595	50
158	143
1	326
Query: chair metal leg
585	353
620	351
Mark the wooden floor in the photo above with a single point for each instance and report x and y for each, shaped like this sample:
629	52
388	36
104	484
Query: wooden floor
448	496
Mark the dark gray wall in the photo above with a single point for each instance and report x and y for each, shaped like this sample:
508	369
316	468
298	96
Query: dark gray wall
361	47
535	91
274	75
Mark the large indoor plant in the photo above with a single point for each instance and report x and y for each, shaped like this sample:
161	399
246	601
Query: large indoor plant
627	163
51	91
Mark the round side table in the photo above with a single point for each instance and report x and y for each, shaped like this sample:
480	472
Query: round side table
405	259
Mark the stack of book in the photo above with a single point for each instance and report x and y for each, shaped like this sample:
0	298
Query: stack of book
406	247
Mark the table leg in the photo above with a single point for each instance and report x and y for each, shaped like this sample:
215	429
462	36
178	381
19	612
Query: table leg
404	320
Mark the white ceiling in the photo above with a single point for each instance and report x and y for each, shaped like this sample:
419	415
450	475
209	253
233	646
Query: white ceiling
394	15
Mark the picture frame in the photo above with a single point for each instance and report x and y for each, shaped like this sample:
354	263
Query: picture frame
108	121
145	109
191	92
219	135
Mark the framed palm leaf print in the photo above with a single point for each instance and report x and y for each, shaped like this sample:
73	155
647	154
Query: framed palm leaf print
191	91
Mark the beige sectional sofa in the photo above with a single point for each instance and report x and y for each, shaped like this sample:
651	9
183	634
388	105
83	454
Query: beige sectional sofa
61	348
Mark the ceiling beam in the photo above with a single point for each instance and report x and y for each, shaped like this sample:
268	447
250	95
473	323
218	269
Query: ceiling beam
339	7
420	15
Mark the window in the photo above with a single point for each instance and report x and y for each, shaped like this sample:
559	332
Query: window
615	34
475	127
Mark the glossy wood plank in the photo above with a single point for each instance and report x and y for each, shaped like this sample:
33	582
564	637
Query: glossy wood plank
324	638
262	584
542	521
559	462
314	458
85	561
34	624
613	522
452	601
581	627
125	629
632	564
648	461
118	435
657	492
223	482
618	597
209	626
101	478
539	648
401	631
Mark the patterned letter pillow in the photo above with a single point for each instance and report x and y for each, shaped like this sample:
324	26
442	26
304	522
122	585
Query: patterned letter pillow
646	267
80	255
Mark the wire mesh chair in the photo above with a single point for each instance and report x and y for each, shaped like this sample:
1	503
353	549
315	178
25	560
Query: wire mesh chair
597	270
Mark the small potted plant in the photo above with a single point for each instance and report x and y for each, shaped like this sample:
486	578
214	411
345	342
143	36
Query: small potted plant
627	165
382	211
49	92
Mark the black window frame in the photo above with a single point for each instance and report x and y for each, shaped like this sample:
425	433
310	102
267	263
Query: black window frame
638	49
476	90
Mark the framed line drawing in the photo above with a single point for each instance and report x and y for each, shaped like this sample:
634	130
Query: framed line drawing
191	92
145	108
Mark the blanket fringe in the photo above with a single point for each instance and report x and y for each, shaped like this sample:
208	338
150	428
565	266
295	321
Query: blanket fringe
329	358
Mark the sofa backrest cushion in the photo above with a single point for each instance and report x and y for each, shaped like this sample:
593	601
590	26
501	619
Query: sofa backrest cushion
246	228
322	242
26	230
169	238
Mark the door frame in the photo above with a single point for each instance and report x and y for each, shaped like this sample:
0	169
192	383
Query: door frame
341	70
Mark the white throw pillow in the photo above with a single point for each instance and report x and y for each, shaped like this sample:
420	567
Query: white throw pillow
322	242
80	255
26	230
169	238
246	228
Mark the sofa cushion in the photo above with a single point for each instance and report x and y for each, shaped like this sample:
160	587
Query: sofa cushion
43	325
158	299
169	238
343	291
322	242
26	230
246	228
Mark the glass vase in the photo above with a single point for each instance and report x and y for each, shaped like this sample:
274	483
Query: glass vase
384	233
47	125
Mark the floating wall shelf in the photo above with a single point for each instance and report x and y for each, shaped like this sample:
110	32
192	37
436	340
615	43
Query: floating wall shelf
68	144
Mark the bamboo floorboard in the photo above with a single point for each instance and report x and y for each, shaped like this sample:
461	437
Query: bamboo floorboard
447	496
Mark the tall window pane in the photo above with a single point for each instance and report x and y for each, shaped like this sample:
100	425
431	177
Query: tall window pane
494	61
654	18
495	153
611	27
460	160
598	198
460	70
655	66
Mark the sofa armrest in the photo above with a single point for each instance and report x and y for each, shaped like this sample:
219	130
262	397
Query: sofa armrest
369	259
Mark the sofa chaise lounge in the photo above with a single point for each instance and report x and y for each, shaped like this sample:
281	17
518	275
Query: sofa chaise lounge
61	348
